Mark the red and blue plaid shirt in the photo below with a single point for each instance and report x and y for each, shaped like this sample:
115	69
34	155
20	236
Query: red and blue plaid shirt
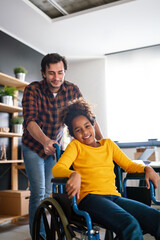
41	106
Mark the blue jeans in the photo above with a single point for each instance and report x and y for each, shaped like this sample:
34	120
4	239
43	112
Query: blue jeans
39	172
126	217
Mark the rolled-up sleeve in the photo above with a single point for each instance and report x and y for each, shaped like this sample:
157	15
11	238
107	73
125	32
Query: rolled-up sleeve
30	106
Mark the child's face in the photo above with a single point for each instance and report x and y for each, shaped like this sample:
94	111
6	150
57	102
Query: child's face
83	130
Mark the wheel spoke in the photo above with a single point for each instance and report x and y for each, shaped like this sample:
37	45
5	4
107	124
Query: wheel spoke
46	224
55	222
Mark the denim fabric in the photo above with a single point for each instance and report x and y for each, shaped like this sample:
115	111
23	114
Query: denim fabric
126	217
39	172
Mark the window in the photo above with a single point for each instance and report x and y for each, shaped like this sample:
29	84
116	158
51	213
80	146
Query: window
133	95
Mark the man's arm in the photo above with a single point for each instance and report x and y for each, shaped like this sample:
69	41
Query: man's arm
39	136
98	133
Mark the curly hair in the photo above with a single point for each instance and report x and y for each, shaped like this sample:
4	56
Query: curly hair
75	108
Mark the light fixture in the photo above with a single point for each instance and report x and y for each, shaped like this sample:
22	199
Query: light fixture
58	7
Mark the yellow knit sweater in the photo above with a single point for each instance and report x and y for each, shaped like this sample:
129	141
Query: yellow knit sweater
95	165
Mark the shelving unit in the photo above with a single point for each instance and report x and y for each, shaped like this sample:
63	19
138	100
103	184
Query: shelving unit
11	81
14	110
9	134
9	109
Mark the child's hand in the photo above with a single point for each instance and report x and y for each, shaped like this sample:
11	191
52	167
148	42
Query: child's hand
150	174
73	185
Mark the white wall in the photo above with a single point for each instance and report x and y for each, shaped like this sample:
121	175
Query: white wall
89	75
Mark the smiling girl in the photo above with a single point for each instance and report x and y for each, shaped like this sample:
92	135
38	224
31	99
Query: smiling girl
93	178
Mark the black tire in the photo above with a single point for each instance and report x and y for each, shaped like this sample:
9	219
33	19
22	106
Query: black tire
54	219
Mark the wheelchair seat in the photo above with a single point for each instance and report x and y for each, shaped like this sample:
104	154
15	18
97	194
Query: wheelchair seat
78	221
63	220
67	207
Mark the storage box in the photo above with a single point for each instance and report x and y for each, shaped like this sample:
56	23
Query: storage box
139	151
138	154
14	202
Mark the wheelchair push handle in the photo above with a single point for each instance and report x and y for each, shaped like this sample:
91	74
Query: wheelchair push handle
58	151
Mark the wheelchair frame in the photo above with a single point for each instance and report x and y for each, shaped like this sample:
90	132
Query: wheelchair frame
55	221
139	176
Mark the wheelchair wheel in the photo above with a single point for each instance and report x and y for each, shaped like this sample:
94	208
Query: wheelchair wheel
51	216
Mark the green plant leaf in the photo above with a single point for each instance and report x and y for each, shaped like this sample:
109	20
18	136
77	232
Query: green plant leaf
8	91
17	120
19	70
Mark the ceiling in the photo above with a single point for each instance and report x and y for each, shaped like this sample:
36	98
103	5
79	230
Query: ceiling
90	29
59	8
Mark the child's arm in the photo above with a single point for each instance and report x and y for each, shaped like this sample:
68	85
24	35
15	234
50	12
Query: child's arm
62	169
73	185
150	174
129	166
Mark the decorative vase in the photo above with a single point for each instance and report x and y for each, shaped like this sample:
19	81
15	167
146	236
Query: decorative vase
21	76
7	100
17	128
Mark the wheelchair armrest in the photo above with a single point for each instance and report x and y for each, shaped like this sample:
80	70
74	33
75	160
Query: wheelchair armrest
139	176
129	176
59	180
135	176
157	202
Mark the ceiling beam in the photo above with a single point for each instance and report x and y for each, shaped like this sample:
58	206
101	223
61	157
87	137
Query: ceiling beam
58	7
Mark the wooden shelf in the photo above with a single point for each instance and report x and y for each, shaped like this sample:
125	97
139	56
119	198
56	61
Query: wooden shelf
9	109
11	161
10	134
12	82
7	218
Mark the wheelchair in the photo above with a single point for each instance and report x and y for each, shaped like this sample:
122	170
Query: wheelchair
63	220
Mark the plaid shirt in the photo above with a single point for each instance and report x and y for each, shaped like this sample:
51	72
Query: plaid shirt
41	106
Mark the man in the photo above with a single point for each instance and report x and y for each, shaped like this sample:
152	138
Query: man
41	104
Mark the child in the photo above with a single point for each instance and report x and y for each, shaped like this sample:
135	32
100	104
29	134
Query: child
93	178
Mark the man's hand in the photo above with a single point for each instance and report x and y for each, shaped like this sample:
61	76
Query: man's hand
37	133
48	147
150	174
73	185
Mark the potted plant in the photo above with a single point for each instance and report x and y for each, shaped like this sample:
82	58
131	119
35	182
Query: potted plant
20	73
17	122
7	94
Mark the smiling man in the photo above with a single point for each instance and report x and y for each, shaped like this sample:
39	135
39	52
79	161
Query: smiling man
41	104
54	75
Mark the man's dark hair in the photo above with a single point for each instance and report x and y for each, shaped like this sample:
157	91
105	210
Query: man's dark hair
52	58
73	109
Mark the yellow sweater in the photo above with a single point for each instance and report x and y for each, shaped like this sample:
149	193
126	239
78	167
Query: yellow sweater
95	165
